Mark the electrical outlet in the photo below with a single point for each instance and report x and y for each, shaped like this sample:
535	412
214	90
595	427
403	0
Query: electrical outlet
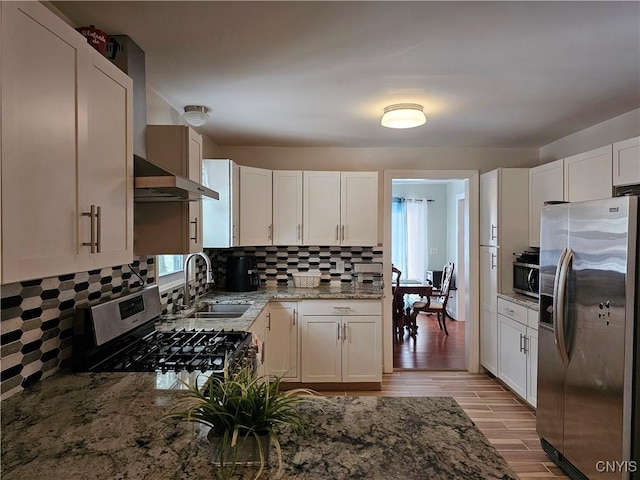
339	266
433	251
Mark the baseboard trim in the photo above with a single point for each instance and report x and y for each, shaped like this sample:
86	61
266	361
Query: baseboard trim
333	386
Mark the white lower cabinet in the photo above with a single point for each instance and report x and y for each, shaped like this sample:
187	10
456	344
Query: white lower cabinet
518	349
258	331
341	341
281	341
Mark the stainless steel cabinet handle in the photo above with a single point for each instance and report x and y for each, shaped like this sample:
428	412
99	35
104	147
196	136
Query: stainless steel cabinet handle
337	233
98	229
343	233
526	345
295	315
494	257
299	232
268	321
194	222
92	241
338	331
270	230
342	308
494	227
344	332
521	342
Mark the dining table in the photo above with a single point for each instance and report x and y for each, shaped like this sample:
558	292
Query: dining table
409	288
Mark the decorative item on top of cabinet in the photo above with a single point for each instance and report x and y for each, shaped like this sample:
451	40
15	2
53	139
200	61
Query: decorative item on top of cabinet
221	218
340	208
256	198
52	228
171	227
287	207
546	183
341	341
626	162
588	175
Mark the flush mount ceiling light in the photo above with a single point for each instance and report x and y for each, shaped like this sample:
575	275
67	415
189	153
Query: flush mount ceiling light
195	115
403	115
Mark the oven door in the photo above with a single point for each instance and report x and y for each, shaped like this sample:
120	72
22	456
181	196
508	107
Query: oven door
525	279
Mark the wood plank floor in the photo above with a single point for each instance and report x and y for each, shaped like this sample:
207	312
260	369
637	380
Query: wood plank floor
507	421
431	349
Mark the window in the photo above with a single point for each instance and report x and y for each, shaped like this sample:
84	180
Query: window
409	237
170	269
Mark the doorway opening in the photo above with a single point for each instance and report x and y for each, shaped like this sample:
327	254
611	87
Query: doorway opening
430	221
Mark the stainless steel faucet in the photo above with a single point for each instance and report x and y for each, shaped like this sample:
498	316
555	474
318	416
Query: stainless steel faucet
186	301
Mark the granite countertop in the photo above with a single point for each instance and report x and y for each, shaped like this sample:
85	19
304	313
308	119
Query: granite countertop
109	426
523	300
258	300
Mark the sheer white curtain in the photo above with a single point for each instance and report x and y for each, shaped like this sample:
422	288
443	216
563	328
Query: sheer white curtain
409	251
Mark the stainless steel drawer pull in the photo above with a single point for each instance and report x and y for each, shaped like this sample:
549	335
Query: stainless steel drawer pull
92	225
342	308
98	229
194	222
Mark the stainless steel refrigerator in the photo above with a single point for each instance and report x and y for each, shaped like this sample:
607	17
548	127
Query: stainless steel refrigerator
588	390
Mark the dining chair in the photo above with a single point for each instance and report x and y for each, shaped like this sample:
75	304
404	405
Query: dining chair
397	301
436	303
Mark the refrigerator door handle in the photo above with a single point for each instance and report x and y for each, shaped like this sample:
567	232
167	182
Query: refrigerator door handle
555	304
562	290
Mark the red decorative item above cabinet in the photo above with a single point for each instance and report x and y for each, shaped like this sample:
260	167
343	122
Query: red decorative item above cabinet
96	38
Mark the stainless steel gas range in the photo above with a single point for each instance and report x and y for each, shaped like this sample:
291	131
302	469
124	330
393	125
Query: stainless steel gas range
118	335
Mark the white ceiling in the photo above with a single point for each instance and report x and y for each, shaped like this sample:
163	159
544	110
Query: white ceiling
490	74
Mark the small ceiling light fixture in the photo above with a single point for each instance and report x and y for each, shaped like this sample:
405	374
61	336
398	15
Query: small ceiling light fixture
403	115
195	115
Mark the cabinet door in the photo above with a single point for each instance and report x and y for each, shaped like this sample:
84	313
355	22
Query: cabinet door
41	151
359	208
321	208
489	277
216	214
287	207
361	349
281	355
532	366
512	359
489	340
588	176
255	206
194	158
106	176
258	331
489	208
546	183
626	162
321	348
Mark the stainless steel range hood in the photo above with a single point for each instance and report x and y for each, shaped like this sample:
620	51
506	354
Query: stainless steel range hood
152	183
155	184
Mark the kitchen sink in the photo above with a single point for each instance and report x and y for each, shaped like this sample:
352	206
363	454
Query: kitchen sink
220	310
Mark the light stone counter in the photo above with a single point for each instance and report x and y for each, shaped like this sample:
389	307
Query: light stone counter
109	426
523	300
258	300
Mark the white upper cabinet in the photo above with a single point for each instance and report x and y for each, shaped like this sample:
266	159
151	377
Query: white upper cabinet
55	166
321	207
489	208
359	208
171	227
626	162
287	207
256	224
221	218
108	189
588	176
340	208
546	183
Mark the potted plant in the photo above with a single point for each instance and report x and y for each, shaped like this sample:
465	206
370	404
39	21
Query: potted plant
244	413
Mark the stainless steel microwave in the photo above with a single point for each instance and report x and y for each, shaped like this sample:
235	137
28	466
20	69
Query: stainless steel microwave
525	278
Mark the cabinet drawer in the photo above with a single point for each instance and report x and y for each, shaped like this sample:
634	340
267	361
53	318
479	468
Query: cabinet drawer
512	310
341	307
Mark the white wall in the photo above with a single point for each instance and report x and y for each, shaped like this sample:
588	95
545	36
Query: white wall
610	131
453	188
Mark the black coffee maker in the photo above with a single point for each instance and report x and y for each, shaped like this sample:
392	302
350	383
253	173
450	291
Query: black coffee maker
242	274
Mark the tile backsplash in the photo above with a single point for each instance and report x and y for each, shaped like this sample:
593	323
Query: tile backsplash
276	264
38	315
